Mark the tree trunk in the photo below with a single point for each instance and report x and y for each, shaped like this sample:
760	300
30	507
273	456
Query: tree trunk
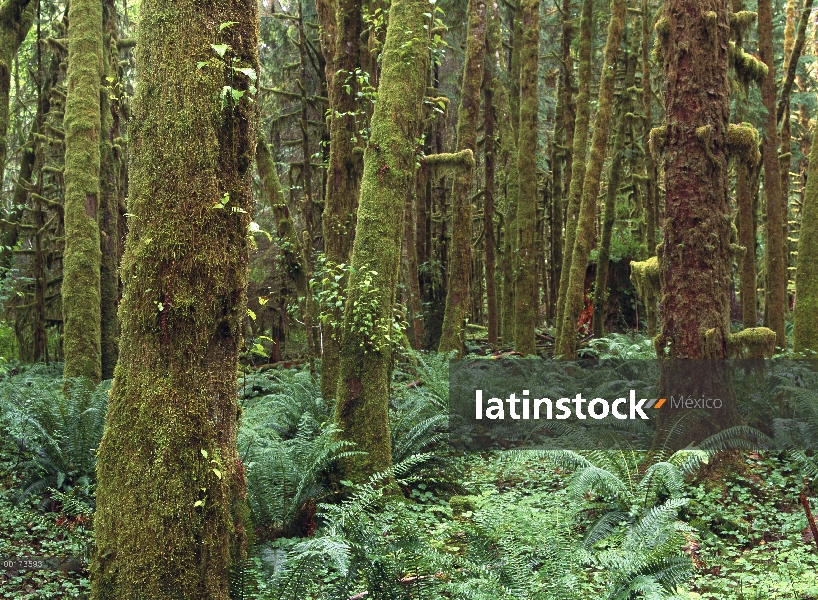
651	190
774	288
579	152
805	314
614	177
109	186
488	208
695	260
584	239
169	475
16	18
82	258
362	409
525	270
457	297
343	173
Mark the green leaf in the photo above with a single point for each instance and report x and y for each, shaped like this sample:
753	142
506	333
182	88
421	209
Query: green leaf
198	503
251	314
204	452
201	64
220	49
224	26
217	473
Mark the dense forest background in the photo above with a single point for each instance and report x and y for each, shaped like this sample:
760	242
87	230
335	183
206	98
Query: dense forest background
326	200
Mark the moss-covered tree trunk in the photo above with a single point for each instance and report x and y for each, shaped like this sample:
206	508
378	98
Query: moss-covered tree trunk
362	409
343	172
774	287
560	152
695	260
614	177
489	239
805	314
524	273
16	18
82	257
651	172
109	186
579	152
169	476
584	238
459	262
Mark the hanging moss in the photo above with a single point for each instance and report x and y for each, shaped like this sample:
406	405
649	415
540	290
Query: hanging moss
82	256
743	143
741	22
362	408
756	342
656	141
749	69
805	314
170	483
459	250
453	161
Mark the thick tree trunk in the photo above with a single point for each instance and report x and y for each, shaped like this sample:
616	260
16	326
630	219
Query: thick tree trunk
805	314
459	263
525	290
584	239
651	173
16	18
82	258
169	476
774	288
695	259
579	152
343	173
362	409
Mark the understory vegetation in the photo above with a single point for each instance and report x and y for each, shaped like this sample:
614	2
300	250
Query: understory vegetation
503	525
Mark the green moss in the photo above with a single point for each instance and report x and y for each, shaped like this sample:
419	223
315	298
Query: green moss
584	239
645	276
742	21
743	143
82	257
454	161
167	523
757	342
525	301
805	314
656	141
579	152
748	68
362	409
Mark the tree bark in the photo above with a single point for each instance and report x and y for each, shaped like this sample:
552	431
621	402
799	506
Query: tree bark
651	188
362	409
343	173
525	289
459	263
170	480
695	259
805	314
584	239
82	257
579	153
775	293
489	240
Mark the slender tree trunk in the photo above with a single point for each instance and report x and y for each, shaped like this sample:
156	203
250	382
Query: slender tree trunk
343	173
525	277
579	152
774	288
651	173
488	207
16	18
82	258
109	193
457	297
560	151
614	177
362	409
411	253
169	476
805	314
695	259
584	239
